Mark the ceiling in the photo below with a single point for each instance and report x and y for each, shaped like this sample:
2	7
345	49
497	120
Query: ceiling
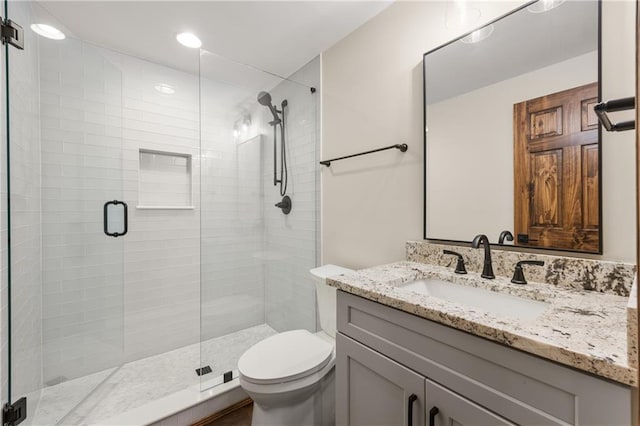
275	36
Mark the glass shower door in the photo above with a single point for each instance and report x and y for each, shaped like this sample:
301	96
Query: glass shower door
64	215
255	259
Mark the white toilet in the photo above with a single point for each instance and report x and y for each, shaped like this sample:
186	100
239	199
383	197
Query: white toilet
290	376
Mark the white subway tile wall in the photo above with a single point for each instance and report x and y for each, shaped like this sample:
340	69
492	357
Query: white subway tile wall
82	157
232	289
135	296
26	321
162	251
290	240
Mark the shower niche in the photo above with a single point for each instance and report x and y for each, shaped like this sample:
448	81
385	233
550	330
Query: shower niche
165	180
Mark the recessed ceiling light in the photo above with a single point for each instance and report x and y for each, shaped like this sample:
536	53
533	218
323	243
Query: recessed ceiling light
544	5
189	40
478	35
47	31
165	89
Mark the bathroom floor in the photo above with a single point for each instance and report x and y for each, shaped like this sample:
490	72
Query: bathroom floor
102	395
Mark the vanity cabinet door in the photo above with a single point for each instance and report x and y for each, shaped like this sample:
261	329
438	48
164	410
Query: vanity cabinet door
373	390
448	408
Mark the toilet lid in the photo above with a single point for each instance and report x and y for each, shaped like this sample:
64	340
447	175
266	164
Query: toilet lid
285	357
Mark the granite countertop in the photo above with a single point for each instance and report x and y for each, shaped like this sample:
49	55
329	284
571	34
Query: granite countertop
582	329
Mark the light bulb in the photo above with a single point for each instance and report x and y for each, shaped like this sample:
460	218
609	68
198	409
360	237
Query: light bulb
189	40
478	35
47	31
544	5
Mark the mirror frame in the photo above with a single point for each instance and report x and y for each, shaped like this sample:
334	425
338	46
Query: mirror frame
424	136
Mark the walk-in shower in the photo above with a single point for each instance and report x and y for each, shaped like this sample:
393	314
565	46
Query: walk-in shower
264	98
109	312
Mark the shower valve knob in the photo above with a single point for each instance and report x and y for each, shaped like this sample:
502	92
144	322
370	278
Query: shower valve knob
285	204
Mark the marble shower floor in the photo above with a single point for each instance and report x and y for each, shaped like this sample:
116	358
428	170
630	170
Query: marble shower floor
99	396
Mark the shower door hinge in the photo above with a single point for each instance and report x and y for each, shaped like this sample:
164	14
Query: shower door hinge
14	414
11	33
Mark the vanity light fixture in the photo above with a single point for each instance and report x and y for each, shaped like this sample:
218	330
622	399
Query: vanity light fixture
478	35
165	89
544	5
48	31
189	40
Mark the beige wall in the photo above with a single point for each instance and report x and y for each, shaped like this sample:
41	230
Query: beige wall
618	149
372	97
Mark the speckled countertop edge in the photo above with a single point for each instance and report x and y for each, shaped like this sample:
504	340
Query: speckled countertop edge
582	329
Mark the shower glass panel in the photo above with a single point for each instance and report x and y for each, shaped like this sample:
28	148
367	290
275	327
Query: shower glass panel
104	219
65	157
145	240
255	260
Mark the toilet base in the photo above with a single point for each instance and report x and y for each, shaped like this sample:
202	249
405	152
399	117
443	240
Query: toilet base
307	407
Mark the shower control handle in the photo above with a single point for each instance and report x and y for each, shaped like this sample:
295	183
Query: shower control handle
285	204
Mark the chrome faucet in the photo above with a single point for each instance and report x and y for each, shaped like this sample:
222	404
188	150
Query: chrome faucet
487	270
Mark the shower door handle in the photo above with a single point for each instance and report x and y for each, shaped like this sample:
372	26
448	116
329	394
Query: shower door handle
125	217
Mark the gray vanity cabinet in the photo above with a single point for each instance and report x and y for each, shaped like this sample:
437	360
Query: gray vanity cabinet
385	355
379	391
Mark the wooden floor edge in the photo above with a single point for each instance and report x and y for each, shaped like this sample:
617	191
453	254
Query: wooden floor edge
215	416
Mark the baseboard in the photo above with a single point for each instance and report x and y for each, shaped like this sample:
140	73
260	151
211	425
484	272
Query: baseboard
216	416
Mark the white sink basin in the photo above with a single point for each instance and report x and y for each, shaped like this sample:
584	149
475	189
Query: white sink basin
487	300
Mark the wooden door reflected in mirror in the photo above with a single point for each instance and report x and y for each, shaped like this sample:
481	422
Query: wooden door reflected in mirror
556	171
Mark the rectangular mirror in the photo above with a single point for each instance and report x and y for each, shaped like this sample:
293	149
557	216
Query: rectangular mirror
512	145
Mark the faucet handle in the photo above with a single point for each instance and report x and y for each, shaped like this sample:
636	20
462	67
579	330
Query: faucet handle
460	269
505	235
518	273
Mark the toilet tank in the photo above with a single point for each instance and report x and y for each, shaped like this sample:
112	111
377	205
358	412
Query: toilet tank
327	296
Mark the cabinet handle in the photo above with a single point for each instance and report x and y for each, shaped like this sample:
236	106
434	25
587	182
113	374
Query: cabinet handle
432	416
412	398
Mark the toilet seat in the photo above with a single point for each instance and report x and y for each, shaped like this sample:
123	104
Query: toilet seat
285	357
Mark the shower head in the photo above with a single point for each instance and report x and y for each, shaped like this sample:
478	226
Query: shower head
264	98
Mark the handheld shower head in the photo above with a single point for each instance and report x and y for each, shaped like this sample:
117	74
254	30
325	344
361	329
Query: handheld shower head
264	98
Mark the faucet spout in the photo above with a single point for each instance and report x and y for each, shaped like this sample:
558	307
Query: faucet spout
487	270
